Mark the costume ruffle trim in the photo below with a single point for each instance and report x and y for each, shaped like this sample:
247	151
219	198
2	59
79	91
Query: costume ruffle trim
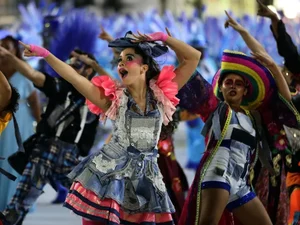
113	91
87	204
164	89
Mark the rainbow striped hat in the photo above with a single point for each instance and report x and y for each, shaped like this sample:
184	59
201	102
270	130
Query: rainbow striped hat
261	84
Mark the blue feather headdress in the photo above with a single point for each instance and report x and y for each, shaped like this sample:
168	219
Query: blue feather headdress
79	29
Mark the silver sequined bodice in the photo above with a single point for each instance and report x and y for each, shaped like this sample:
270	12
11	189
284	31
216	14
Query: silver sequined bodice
131	128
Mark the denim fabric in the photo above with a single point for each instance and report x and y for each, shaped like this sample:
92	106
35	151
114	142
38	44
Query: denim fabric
126	168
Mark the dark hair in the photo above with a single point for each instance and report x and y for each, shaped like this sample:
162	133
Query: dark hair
202	50
153	72
13	102
295	80
91	56
168	130
15	44
154	69
80	52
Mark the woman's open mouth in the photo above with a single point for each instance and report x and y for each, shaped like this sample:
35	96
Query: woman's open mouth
123	72
232	93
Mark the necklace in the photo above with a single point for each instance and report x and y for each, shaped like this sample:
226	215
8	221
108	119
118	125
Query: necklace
252	165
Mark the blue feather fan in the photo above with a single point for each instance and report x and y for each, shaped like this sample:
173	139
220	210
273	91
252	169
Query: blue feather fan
79	29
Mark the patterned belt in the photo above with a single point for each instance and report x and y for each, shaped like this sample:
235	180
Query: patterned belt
135	153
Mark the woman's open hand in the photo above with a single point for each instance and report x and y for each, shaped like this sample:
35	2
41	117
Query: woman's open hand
263	58
84	58
104	35
264	11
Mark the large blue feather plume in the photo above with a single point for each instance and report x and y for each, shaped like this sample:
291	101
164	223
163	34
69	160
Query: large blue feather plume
79	29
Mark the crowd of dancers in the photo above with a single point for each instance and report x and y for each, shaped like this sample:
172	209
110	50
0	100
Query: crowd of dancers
247	112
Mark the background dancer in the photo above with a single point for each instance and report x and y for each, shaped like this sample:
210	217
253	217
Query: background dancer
65	132
172	172
286	158
29	111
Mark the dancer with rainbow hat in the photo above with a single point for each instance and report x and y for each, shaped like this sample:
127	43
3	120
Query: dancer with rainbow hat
235	138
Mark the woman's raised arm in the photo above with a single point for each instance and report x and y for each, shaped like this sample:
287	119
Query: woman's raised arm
83	85
259	53
189	55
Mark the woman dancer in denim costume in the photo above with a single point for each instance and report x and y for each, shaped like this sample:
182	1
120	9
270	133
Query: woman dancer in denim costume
223	178
121	184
